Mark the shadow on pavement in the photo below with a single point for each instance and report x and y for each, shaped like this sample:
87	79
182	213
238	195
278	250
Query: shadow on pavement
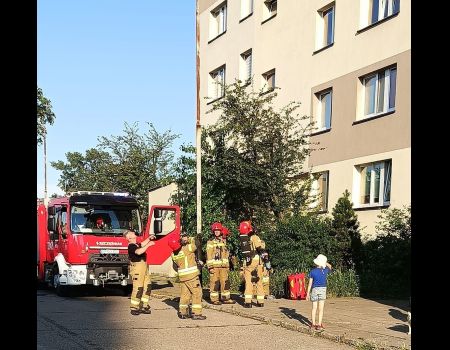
173	302
402	316
402	304
292	314
402	328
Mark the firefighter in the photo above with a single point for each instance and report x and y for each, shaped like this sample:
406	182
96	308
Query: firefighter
253	255
266	275
217	261
139	272
184	262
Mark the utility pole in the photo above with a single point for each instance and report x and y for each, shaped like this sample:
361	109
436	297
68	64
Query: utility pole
198	130
45	169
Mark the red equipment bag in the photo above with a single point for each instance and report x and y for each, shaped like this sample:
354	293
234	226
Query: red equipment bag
297	286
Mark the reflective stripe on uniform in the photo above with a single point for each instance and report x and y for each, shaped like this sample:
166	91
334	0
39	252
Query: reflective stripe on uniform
183	272
145	299
214	294
265	279
225	293
259	297
180	255
248	296
183	305
190	247
196	306
256	257
135	302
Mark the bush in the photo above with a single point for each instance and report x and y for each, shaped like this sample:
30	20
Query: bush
341	283
233	276
297	240
386	267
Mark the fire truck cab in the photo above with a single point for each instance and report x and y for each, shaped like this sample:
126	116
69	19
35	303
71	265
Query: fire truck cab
80	239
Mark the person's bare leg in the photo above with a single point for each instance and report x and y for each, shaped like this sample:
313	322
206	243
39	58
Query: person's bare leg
313	312
321	305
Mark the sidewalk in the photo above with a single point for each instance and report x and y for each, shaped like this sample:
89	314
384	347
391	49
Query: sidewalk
352	321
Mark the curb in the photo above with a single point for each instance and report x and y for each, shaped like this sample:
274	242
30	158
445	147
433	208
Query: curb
342	339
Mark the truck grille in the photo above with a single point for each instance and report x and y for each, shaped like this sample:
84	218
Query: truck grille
109	258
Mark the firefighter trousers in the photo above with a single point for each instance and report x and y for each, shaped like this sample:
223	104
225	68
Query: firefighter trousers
252	269
219	282
191	289
141	284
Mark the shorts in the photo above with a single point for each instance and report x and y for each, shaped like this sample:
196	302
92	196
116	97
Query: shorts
318	293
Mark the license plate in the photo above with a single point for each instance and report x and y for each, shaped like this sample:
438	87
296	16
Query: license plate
109	251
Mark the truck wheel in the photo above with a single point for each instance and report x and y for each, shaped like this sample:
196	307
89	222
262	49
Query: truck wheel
61	291
127	290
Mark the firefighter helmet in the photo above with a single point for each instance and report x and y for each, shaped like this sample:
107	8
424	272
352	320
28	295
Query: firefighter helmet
245	227
174	244
99	222
216	226
225	232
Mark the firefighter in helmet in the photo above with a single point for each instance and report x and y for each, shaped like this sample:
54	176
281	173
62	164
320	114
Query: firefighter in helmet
217	261
139	273
253	254
184	262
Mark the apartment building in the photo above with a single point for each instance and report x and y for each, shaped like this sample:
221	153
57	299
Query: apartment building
348	63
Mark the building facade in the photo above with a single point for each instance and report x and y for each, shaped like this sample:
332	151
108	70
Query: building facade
348	63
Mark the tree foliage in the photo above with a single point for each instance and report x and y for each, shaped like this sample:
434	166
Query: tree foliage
45	115
255	153
131	162
345	229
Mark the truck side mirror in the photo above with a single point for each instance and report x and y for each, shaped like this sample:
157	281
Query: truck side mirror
157	226
158	213
51	224
51	211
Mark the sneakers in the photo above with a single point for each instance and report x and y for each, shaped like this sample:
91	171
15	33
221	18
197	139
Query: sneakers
198	317
317	327
228	301
320	327
248	305
135	312
146	310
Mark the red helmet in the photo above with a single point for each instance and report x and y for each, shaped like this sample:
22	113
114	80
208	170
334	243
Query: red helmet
245	227
216	226
174	244
225	232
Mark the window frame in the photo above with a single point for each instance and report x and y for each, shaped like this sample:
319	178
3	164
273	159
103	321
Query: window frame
216	23
385	182
321	202
266	75
318	115
243	67
247	8
386	80
214	86
268	13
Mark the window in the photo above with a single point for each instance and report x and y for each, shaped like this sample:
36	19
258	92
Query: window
319	190
373	11
269	9
269	80
216	83
245	67
325	27
246	8
323	109
218	21
379	90
374	183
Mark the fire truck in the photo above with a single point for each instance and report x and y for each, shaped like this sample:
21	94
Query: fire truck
80	238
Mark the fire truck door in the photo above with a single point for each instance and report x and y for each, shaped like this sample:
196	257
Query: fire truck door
61	227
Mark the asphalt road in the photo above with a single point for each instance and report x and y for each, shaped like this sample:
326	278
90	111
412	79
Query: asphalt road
95	322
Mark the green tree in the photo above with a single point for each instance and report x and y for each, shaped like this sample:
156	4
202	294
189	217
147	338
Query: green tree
345	228
130	162
45	115
255	153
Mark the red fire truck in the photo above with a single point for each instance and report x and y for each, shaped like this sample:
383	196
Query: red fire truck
80	238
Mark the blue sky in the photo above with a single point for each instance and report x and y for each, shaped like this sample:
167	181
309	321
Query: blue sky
104	62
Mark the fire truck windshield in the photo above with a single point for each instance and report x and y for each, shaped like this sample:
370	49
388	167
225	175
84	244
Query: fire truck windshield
104	219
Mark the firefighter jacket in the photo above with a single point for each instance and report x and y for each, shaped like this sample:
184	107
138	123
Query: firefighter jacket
217	253
255	243
185	263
